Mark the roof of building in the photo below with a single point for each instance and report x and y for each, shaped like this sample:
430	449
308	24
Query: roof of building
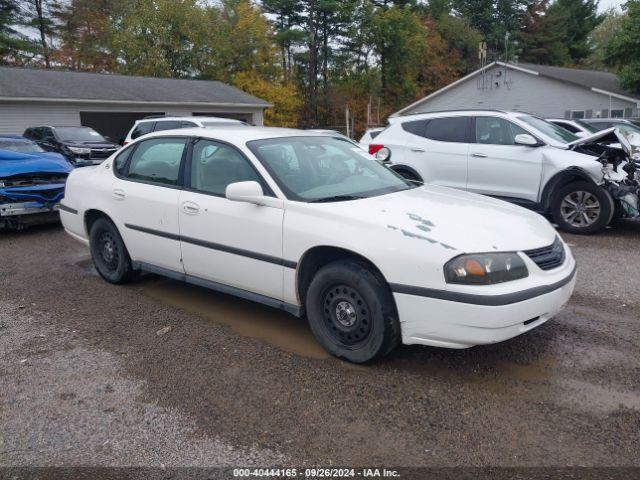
602	82
25	83
586	78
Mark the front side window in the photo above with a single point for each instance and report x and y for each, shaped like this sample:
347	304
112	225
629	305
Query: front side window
496	131
214	166
142	128
157	160
452	129
167	125
548	129
325	169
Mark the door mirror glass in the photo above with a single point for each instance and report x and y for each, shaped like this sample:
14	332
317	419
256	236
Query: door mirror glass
249	192
526	140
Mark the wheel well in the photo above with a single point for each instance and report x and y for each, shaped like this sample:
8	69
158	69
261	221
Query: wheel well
317	257
90	216
560	180
405	168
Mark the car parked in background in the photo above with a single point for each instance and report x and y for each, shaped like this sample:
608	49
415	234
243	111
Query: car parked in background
604	123
309	224
369	136
80	145
515	157
31	183
577	127
156	123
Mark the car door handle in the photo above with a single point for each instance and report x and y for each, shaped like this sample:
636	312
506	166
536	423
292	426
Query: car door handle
119	194
190	208
418	150
480	155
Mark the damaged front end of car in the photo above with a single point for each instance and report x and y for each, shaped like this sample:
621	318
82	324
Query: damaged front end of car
30	190
618	151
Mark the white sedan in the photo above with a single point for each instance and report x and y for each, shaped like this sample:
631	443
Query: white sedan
310	224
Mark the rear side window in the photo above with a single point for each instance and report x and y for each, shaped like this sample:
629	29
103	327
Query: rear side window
142	129
417	127
157	160
374	134
168	125
452	129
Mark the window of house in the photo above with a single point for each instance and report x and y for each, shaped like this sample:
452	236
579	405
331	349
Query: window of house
157	160
617	113
579	114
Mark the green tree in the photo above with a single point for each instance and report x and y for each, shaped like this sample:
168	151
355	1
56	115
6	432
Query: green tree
15	47
579	17
39	14
601	36
622	51
542	37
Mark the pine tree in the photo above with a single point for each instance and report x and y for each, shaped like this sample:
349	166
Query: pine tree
541	39
579	17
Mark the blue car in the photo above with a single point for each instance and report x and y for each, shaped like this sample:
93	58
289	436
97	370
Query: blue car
31	183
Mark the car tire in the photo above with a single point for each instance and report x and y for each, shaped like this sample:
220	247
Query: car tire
575	205
108	252
351	312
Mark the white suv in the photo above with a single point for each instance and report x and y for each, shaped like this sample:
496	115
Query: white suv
516	157
160	123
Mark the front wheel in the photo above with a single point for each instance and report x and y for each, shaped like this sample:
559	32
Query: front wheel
582	208
109	253
351	312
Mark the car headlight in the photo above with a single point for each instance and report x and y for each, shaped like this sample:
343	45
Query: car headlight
485	268
80	151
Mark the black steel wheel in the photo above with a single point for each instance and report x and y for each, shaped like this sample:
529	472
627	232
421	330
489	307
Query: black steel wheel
351	312
108	252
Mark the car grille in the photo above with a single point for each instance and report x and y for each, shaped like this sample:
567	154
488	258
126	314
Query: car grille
101	154
548	258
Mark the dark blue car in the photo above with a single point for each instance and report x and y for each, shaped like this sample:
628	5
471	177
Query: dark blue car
31	183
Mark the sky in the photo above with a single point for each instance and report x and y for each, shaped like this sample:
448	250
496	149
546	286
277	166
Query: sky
606	4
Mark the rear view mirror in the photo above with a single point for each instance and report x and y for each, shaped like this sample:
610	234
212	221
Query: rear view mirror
526	140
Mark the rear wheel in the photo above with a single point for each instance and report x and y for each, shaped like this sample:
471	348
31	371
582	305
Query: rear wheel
582	208
351	312
109	253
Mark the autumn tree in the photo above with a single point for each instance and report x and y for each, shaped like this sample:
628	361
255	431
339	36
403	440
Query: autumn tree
542	37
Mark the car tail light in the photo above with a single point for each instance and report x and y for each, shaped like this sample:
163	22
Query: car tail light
373	149
125	143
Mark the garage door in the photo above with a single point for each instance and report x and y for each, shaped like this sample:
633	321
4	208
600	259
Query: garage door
115	125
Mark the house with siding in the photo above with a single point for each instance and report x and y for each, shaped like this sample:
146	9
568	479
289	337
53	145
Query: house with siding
112	103
545	91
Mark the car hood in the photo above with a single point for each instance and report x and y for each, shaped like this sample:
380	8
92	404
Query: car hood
17	163
90	144
453	220
593	138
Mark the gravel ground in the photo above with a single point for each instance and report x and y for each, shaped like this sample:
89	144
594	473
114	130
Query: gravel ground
159	373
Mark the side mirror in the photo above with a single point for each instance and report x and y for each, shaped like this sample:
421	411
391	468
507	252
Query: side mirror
526	140
248	192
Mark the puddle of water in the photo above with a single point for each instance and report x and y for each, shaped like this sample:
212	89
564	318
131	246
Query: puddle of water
249	319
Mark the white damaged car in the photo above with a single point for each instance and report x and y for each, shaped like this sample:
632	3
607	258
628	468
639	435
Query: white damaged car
310	224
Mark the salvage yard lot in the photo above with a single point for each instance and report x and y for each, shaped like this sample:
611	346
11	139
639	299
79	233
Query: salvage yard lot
159	372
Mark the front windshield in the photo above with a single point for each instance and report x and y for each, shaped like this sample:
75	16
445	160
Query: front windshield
17	145
549	129
325	169
587	127
78	134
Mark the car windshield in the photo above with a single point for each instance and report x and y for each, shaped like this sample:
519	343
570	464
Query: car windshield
325	169
549	129
78	134
17	145
586	126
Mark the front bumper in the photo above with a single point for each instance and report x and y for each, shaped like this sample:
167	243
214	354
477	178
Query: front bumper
458	324
26	208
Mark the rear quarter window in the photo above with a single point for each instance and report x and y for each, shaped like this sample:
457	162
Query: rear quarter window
416	127
142	128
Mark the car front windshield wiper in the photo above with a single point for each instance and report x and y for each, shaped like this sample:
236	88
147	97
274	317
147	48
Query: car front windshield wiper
336	198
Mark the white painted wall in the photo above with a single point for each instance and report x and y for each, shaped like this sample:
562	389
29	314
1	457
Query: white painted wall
15	117
523	92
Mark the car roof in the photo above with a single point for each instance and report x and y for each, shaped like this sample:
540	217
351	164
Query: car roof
194	117
453	113
240	134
